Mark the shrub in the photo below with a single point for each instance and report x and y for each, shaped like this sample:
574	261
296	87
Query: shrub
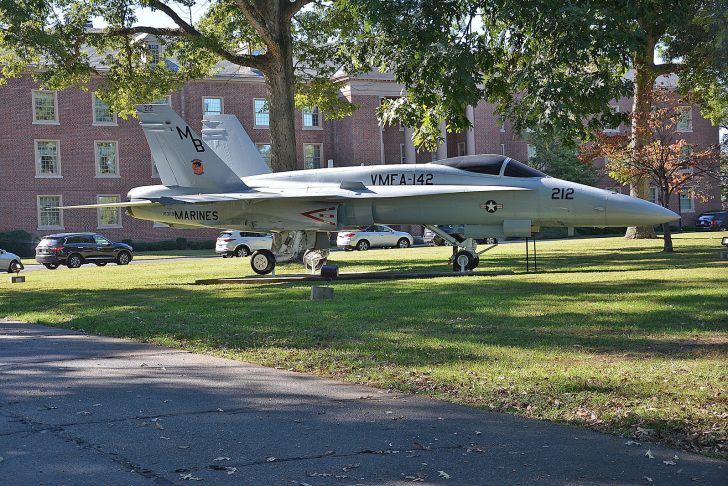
19	242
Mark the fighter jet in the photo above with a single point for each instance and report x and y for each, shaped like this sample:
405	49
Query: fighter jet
220	181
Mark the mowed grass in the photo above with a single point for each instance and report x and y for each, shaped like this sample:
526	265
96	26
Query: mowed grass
612	334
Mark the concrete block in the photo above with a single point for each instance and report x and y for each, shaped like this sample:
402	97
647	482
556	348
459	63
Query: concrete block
17	279
321	293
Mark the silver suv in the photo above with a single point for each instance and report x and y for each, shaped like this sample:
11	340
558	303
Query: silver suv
237	243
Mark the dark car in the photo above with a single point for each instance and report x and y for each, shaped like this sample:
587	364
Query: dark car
713	221
75	249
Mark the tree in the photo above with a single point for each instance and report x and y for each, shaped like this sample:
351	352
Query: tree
51	40
663	157
549	65
559	160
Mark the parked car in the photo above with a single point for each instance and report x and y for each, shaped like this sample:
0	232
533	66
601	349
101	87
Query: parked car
10	262
371	236
713	221
235	243
75	249
431	238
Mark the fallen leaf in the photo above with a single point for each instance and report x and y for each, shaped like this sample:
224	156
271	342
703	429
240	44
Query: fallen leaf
1	459
669	463
221	459
443	474
189	477
83	412
675	457
220	410
270	459
183	447
632	442
231	470
477	432
649	480
158	426
164	438
349	467
649	454
421	446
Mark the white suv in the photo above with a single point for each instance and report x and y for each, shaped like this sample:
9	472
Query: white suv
237	243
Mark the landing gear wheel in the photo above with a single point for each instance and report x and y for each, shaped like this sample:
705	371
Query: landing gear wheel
464	259
50	266
263	262
363	245
14	267
403	243
315	258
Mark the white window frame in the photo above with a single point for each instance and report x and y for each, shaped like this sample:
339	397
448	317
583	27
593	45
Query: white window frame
687	191
55	121
615	109
151	47
321	155
97	167
464	151
402	154
60	212
503	149
685	109
311	127
258	145
99	225
222	104
530	147
97	123
653	194
255	115
58	174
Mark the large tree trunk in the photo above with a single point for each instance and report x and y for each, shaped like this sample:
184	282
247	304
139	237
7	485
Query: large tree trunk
280	81
667	236
644	81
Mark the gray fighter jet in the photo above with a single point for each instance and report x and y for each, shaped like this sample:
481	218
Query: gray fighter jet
219	180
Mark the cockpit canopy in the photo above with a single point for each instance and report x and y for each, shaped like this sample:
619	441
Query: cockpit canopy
491	165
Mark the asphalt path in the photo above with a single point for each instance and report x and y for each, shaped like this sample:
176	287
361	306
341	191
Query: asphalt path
78	409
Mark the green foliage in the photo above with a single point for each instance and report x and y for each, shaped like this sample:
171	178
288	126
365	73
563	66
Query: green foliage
560	160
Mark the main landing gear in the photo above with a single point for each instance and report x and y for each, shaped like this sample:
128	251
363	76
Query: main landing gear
311	247
465	254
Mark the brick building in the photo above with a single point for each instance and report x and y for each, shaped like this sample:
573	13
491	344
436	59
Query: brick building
64	148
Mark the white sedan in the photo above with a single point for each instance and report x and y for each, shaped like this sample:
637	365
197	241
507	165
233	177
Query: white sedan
372	236
10	262
240	244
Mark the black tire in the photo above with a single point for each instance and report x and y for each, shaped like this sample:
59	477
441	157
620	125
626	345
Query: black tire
50	266
403	243
362	245
14	267
74	260
123	258
262	262
242	251
100	264
465	258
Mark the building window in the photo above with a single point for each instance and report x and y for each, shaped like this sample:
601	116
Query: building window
402	154
102	113
47	158
154	54
262	115
687	203
49	214
311	155
107	159
531	151
108	217
265	152
652	197
211	106
685	119
311	118
614	109
503	149
461	149
45	106
615	190
503	127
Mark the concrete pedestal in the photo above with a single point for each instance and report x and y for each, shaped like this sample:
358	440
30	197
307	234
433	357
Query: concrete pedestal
17	279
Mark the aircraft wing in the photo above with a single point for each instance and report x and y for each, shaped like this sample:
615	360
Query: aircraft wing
317	192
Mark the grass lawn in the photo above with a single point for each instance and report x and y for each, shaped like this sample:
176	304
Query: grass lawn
613	334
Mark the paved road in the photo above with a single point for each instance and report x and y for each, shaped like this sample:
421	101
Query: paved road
78	409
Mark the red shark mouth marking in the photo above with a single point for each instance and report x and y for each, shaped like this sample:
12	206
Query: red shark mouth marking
322	215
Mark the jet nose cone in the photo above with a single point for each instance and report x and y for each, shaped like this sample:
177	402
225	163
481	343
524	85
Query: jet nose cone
630	211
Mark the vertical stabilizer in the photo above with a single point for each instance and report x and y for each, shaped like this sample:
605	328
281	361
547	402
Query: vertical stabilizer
227	137
181	156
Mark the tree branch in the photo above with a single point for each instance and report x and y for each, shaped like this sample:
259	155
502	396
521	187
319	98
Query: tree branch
667	68
293	7
257	20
